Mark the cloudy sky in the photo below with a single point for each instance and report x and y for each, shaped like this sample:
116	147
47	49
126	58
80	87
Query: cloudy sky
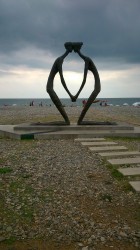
33	33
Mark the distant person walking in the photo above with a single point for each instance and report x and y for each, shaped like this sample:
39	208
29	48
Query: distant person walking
84	102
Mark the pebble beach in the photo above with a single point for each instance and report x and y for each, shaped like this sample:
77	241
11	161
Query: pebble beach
56	194
27	114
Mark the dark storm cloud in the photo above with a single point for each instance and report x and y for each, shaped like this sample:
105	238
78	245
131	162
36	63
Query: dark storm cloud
107	28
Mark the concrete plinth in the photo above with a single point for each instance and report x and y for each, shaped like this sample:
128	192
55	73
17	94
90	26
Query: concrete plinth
43	131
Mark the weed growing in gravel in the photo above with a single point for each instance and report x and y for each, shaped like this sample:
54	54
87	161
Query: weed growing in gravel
5	170
119	176
27	213
26	176
127	187
10	241
106	197
14	186
47	195
116	174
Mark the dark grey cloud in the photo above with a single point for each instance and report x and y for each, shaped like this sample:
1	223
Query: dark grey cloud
108	29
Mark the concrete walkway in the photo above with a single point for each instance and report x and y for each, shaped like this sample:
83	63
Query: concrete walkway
132	157
129	171
135	185
107	148
120	154
98	143
124	161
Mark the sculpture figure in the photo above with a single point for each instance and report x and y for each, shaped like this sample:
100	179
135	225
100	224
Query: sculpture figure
57	68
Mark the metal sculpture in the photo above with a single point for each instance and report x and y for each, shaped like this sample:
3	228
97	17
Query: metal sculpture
57	68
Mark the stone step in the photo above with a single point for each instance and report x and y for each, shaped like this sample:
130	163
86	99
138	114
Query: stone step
89	139
129	171
135	185
124	161
98	143
60	125
118	154
107	148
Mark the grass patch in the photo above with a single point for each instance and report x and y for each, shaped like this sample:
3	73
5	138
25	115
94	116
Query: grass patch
28	190
124	182
14	186
5	170
127	187
116	174
10	241
47	195
27	213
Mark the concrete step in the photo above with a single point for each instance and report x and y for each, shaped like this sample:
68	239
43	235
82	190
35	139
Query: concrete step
98	143
118	154
124	161
89	139
72	134
25	131
61	126
107	148
135	185
129	171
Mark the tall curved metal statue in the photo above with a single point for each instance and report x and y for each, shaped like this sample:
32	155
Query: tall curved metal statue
57	68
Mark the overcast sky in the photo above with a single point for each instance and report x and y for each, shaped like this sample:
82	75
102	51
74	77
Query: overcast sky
33	33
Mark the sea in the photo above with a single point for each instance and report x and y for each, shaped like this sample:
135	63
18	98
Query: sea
67	102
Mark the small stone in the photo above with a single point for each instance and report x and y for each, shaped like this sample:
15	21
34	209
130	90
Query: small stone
92	224
122	234
90	240
85	248
136	244
9	229
102	239
80	244
2	238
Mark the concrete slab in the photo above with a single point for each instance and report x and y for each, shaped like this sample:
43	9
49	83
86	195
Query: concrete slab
7	131
124	161
87	133
107	148
118	154
89	139
73	126
66	132
98	143
135	185
129	171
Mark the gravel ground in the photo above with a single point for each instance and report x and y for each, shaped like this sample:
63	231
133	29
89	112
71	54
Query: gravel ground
59	195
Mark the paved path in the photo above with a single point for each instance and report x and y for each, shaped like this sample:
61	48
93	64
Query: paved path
100	144
119	154
135	185
92	143
124	161
107	148
130	171
89	139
